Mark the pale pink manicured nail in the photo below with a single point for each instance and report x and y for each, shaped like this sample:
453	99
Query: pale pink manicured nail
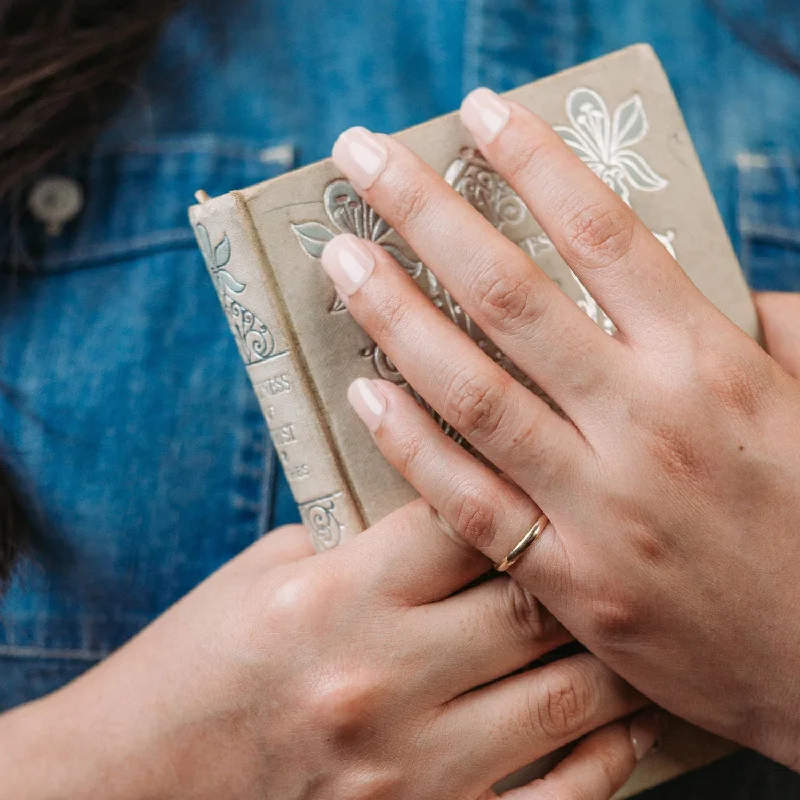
485	114
348	262
645	730
368	402
360	155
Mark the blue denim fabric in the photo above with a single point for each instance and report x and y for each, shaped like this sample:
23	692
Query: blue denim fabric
130	413
769	219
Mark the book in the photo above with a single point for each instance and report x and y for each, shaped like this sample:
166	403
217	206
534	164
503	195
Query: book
301	348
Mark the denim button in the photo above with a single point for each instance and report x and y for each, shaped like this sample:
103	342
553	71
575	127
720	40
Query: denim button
54	201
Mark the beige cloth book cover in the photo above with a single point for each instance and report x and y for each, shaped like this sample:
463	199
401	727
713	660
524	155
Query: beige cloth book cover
302	349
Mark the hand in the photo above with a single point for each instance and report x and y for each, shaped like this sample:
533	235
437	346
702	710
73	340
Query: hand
353	674
673	487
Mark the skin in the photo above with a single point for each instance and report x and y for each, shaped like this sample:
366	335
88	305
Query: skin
673	482
369	671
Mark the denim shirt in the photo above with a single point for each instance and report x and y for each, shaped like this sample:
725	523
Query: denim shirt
126	408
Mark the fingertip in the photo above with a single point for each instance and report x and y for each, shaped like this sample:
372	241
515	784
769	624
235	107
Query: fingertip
645	731
368	402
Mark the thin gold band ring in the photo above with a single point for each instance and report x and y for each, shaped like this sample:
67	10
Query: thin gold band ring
527	540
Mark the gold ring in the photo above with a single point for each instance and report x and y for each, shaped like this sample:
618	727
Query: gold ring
527	540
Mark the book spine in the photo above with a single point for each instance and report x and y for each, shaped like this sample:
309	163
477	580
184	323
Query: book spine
250	298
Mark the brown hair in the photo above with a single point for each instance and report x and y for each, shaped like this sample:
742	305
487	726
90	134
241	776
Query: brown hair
65	65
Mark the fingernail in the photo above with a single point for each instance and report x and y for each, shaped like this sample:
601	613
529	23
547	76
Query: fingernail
368	402
485	114
348	262
645	730
360	155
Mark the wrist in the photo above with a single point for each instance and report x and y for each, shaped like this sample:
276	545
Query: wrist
75	743
42	754
127	730
49	750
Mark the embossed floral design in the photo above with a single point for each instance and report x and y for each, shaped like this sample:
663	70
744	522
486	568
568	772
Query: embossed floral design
475	180
217	259
348	213
253	337
604	141
320	516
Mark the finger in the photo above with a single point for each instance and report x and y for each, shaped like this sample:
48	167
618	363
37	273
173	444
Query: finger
626	269
500	417
519	719
599	765
486	510
509	298
780	320
496	628
412	556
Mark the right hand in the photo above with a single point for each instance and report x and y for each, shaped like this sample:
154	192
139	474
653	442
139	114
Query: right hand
364	672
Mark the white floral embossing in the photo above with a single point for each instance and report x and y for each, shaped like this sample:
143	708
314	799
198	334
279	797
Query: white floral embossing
253	337
603	141
320	516
348	212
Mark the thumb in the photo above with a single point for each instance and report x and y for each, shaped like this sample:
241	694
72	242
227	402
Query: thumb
780	320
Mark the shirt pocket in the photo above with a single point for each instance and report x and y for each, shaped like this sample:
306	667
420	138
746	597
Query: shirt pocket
769	219
125	201
124	401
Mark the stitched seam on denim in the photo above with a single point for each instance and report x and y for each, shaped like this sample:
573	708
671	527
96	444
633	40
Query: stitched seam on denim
248	442
120	251
124	247
45	653
240	150
778	234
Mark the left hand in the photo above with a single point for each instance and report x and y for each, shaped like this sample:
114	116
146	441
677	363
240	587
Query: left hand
673	487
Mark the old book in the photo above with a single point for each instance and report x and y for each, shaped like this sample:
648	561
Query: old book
302	349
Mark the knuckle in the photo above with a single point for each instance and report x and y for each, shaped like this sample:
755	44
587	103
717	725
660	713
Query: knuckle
646	542
561	708
475	518
387	318
615	619
600	234
295	595
410	200
437	522
274	607
474	405
528	158
411	450
343	703
529	617
739	383
509	301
